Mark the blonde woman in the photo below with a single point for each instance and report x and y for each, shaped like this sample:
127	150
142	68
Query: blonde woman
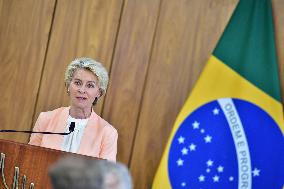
86	81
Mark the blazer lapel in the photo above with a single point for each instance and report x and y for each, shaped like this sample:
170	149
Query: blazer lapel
59	125
89	135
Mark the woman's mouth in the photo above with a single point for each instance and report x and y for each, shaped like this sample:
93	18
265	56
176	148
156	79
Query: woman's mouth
81	98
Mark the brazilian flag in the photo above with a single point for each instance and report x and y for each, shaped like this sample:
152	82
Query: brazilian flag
229	133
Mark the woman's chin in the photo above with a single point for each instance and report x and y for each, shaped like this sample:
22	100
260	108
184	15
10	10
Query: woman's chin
81	105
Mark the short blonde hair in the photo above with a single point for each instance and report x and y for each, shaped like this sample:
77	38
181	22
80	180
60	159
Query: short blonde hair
89	64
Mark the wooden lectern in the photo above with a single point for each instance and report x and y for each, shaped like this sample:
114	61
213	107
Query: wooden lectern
31	162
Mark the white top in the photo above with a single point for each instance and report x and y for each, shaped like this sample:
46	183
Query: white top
72	141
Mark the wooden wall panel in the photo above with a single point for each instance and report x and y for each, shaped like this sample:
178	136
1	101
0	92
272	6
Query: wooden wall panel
278	15
129	67
24	29
84	28
187	33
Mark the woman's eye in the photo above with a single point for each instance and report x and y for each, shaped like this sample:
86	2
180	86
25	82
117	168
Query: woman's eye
90	85
76	82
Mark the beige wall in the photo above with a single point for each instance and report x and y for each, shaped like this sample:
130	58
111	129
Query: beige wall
153	49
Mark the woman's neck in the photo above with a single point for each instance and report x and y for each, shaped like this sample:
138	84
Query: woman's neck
79	113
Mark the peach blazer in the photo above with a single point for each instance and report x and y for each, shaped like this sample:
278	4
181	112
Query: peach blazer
99	138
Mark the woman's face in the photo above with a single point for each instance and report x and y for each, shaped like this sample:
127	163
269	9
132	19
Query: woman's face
83	89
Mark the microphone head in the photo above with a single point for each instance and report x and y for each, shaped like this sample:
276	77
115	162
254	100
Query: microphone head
72	127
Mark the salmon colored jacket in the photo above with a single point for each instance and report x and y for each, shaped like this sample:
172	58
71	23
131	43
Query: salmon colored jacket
99	138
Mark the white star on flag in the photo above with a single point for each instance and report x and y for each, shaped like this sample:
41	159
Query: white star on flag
216	178
207	170
255	172
201	178
192	147
209	163
231	178
207	139
220	169
202	130
180	162
195	125
183	184
216	111
184	151
181	140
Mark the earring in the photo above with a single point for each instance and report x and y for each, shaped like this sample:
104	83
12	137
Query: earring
68	91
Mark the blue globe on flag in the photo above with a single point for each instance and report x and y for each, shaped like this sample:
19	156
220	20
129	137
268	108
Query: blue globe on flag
227	144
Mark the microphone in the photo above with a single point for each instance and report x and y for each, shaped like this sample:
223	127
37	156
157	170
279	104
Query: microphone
71	129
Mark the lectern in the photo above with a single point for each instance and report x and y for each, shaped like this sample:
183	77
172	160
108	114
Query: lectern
26	166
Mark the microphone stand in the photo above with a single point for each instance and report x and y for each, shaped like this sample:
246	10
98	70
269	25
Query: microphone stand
71	129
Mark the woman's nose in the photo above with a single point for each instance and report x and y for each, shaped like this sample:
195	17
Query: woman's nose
82	89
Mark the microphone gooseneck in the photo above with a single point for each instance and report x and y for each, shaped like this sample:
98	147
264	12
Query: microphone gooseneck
71	129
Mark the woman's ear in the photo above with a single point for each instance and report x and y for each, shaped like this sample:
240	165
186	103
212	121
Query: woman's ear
95	101
101	93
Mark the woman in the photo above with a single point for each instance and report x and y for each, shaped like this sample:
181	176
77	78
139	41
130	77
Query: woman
86	81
